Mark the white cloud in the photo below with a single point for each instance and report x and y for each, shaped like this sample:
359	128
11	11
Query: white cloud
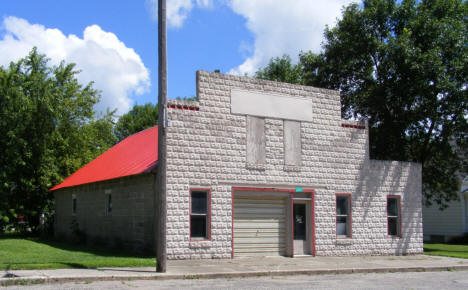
284	27
116	70
177	10
205	3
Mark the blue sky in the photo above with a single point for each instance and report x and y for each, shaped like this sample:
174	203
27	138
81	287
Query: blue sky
114	43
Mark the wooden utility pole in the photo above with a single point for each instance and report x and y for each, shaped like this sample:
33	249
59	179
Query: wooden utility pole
160	193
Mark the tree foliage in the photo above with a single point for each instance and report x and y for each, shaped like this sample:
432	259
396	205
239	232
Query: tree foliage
139	118
403	65
281	69
136	120
48	131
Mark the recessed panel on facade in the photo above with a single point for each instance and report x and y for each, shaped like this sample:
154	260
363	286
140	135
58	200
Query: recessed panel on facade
292	143
270	105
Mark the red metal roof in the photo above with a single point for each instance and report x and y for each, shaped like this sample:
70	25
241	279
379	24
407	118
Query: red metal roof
135	154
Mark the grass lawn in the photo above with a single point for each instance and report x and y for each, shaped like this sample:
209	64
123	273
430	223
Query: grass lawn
34	253
449	250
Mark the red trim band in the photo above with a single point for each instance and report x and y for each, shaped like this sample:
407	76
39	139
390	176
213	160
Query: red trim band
313	223
271	189
353	126
180	107
291	201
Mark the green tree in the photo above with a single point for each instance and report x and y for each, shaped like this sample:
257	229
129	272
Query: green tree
137	119
403	65
282	70
48	131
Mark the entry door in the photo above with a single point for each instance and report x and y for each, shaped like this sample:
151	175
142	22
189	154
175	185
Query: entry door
301	228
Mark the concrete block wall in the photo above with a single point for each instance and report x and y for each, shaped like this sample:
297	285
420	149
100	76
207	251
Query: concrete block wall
130	225
369	212
207	149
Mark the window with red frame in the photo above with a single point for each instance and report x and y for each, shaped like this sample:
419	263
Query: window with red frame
343	215
393	216
199	214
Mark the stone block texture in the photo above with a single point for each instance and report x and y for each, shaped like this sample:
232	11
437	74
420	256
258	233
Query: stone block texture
207	149
129	225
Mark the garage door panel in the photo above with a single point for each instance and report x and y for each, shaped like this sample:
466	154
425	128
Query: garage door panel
242	234
256	254
266	250
266	247
261	239
259	226
255	211
261	218
253	229
259	201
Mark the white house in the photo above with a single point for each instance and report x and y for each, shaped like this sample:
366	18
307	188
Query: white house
452	222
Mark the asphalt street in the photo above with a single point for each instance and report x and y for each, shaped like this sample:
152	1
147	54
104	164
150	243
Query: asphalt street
413	280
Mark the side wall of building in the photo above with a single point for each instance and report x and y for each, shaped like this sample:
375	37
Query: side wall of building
128	225
207	149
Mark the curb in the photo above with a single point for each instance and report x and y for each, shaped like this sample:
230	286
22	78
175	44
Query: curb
54	280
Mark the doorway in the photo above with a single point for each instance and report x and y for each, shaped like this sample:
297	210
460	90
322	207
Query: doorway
301	223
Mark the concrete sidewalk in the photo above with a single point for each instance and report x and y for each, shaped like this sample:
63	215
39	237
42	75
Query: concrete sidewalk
242	267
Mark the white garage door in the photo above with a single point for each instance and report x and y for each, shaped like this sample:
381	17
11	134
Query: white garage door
259	226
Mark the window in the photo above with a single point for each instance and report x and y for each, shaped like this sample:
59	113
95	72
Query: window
343	215
200	214
393	216
73	204
108	204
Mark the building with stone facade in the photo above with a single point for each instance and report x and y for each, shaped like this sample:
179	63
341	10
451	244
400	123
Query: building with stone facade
254	167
